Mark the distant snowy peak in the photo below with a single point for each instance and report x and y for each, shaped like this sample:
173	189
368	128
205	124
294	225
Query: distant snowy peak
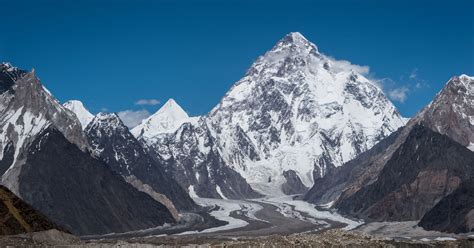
452	111
165	121
81	112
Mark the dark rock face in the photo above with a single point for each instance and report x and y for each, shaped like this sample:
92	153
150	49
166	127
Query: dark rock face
195	162
425	168
8	76
293	184
82	193
16	216
111	140
8	157
454	213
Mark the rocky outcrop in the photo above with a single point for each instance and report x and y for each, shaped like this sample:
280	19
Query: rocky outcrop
454	213
82	193
19	217
293	184
427	167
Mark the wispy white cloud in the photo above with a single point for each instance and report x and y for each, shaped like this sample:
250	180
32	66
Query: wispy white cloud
399	94
344	65
414	74
131	118
150	102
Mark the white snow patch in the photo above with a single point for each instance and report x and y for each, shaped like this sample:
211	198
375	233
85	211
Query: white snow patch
192	193
219	191
84	116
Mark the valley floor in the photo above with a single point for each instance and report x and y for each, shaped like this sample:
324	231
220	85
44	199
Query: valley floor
274	222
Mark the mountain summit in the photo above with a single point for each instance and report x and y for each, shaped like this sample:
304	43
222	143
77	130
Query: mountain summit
81	112
299	111
166	120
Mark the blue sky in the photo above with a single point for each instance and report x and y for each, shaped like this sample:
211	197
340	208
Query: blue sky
111	54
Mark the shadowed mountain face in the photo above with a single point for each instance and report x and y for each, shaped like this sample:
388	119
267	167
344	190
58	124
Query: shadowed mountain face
425	168
111	140
19	217
82	193
454	213
43	160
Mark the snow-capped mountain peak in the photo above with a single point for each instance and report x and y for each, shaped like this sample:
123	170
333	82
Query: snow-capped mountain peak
298	109
166	120
81	112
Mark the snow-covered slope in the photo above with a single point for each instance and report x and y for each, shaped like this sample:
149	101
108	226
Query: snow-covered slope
297	109
187	147
26	109
112	141
81	112
166	120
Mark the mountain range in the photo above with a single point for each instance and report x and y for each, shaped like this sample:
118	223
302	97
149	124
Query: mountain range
298	122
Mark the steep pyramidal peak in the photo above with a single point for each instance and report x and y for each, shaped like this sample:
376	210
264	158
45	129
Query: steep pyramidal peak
166	120
81	112
111	140
27	108
406	175
297	110
82	193
452	111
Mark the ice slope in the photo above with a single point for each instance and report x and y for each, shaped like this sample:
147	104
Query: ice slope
81	112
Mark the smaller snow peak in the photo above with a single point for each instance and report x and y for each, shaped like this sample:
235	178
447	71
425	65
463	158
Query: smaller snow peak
80	111
166	120
172	109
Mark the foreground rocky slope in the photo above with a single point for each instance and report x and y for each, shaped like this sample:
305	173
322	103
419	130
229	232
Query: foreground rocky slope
427	167
406	175
111	140
19	217
82	193
454	213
